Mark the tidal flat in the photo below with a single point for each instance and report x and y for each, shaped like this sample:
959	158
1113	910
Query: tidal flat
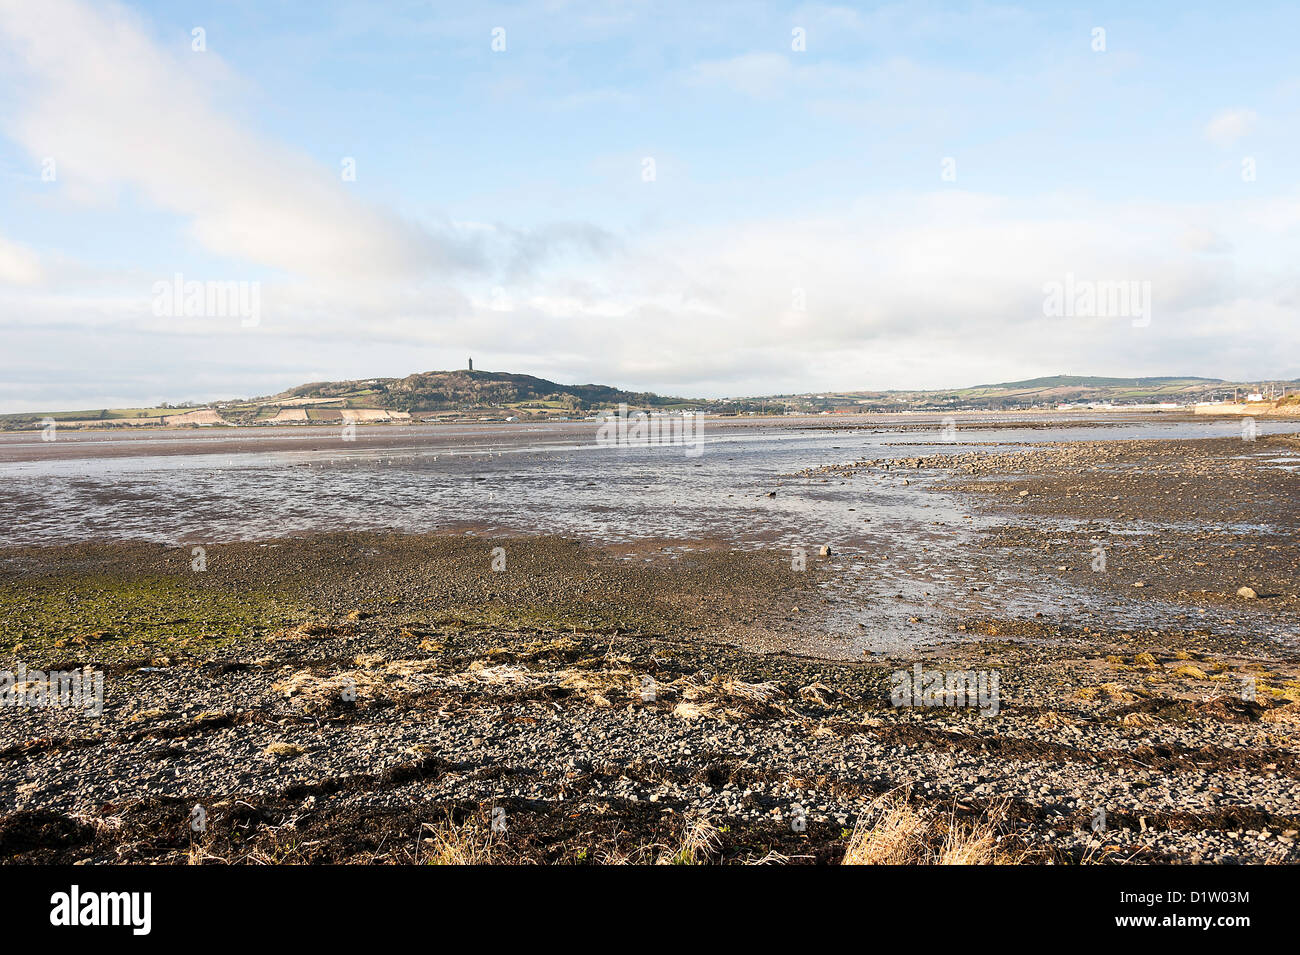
525	652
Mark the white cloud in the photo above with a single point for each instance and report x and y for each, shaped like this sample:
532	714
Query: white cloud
1229	126
115	109
929	290
757	74
18	264
926	290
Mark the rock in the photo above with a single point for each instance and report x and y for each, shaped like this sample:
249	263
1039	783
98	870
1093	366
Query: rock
1024	493
1247	592
825	551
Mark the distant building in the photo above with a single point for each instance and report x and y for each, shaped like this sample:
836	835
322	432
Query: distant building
471	364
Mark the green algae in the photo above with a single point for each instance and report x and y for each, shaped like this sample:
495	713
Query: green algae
107	619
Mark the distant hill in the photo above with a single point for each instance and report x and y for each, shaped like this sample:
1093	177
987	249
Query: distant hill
498	395
1085	382
482	395
433	391
1037	393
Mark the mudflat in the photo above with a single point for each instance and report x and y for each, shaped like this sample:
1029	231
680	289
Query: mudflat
400	697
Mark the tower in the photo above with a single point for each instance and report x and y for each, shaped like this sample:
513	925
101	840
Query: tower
471	364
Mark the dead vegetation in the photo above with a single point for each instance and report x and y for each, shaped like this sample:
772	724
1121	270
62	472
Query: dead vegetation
475	842
895	832
597	681
699	841
471	843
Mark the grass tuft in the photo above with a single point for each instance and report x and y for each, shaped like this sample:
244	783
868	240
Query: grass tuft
892	832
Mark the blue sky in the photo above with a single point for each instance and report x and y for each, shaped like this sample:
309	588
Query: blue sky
798	234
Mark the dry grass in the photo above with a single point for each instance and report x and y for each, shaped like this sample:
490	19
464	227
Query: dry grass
1106	692
1290	713
375	678
889	833
314	693
892	832
1054	719
409	668
698	843
501	676
752	692
599	686
700	839
283	851
732	700
284	750
471	843
1137	720
309	629
690	711
196	854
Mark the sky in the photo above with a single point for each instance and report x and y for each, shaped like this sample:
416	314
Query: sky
715	199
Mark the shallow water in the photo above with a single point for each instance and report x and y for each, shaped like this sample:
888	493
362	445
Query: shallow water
899	551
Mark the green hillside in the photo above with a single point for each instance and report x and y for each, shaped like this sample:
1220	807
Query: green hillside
433	391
